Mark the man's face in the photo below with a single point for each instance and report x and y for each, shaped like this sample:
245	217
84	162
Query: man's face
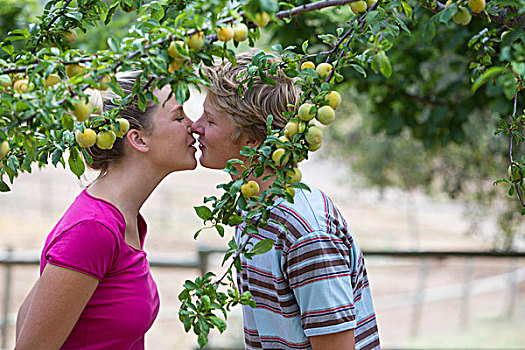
215	129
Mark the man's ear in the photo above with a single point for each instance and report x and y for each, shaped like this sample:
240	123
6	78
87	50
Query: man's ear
137	140
250	142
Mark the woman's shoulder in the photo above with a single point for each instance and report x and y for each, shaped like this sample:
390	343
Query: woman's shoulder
88	210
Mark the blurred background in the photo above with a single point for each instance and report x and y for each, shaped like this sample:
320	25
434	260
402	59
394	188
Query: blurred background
410	162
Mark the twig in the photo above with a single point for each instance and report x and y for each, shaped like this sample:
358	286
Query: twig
511	138
53	20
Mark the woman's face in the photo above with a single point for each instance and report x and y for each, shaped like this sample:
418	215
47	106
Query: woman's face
170	141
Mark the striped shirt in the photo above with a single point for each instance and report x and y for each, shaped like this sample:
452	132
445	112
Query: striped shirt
312	282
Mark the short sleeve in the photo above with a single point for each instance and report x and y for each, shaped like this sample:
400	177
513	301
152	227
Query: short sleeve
319	272
88	247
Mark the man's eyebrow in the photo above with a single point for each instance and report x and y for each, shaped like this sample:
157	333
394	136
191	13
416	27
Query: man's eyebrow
176	109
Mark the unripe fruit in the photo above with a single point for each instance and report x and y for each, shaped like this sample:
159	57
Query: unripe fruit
314	135
261	19
358	6
21	86
82	110
240	32
294	175
74	70
173	49
334	99
462	17
476	5
70	36
195	41
314	147
304	112
291	129
279	157
325	115
283	139
5	81
369	3
290	191
4	148
53	79
225	33
123	125
307	64
106	139
103	83
87	138
177	64
250	189
323	70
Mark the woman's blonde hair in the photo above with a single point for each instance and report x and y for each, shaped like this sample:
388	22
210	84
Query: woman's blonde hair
140	120
250	110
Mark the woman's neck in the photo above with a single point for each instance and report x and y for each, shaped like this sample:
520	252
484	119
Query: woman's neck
127	187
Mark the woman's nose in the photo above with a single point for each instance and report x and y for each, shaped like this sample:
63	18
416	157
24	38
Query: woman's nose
197	128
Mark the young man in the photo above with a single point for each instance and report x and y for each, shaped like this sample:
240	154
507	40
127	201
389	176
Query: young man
311	288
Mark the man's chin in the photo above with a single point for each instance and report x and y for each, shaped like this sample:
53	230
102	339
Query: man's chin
206	163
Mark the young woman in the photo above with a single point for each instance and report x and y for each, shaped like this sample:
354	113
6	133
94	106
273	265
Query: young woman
95	289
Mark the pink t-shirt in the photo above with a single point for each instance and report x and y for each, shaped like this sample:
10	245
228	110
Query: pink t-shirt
89	238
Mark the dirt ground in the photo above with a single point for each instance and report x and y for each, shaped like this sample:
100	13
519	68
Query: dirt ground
490	314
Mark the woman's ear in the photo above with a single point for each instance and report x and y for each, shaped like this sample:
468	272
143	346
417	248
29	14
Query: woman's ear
250	142
137	140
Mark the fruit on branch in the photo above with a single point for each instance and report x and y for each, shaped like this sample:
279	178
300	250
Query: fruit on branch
106	139
323	70
74	70
294	175
306	112
70	36
82	110
291	129
102	83
4	148
195	41
358	6
176	49
21	86
240	32
250	189
307	64
123	126
51	80
314	135
177	64
283	139
476	5
325	115
514	173
334	99
279	157
290	191
462	17
87	138
261	19
314	147
225	33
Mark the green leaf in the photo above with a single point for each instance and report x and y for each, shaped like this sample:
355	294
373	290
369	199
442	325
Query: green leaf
489	74
4	187
305	46
76	164
203	212
220	230
407	9
429	32
217	322
384	64
262	246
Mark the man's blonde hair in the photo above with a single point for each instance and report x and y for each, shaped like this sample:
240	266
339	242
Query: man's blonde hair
250	110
